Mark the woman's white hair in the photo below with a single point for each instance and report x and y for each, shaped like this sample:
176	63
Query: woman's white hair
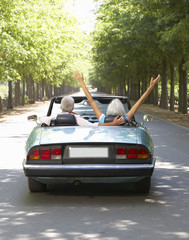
116	108
67	104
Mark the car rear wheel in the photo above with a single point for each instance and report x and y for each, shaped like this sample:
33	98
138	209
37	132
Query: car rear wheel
143	186
35	186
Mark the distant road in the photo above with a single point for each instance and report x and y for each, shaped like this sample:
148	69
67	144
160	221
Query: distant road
95	212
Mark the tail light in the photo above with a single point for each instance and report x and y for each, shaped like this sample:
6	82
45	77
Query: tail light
121	153
142	153
45	153
131	153
54	153
34	154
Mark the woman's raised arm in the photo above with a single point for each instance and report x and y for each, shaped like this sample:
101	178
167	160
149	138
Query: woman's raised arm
79	77
133	110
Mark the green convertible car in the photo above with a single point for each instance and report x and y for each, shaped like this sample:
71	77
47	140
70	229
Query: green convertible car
66	153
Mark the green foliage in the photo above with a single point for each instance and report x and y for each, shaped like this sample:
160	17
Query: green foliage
40	38
132	38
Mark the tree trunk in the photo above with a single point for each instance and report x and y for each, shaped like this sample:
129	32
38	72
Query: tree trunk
23	88
124	88
28	87
33	90
150	99
164	92
138	90
121	89
156	97
43	88
172	93
48	90
23	93
63	89
135	91
57	91
30	91
185	97
182	88
156	91
129	88
17	93
1	106
37	92
10	98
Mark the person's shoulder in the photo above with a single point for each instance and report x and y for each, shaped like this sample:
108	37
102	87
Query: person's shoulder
101	119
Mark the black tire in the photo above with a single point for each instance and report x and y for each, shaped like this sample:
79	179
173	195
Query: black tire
143	186
36	186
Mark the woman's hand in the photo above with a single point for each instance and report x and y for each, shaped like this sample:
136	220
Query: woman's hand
118	120
154	81
79	77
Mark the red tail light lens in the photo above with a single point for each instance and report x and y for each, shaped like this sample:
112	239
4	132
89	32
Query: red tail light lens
121	153
45	153
132	153
54	153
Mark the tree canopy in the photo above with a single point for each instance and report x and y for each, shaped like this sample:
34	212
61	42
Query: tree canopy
40	41
134	40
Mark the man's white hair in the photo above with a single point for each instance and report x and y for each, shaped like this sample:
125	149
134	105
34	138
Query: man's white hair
67	104
116	108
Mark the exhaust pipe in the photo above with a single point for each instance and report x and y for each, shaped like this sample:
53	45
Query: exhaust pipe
77	183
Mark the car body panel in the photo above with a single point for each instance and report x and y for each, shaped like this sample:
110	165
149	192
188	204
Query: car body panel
34	138
98	134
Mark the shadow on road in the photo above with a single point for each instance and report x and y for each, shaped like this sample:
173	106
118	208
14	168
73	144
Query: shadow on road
66	212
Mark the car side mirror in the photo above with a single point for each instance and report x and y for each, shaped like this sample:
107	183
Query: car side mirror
32	118
147	118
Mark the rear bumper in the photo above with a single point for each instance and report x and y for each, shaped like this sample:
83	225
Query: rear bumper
89	170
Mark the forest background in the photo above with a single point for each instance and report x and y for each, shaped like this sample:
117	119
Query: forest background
41	44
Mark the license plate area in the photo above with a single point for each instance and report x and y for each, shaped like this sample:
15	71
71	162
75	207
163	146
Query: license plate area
87	154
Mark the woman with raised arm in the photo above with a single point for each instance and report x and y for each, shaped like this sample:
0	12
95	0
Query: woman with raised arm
116	106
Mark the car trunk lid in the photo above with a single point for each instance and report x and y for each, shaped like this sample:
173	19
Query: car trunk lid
77	134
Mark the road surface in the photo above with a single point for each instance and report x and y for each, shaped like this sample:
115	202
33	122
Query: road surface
96	212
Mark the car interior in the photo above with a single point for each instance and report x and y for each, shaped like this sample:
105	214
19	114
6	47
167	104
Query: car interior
83	108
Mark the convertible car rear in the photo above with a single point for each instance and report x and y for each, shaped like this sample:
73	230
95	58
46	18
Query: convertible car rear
67	153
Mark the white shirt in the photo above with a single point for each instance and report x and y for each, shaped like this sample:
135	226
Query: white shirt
80	121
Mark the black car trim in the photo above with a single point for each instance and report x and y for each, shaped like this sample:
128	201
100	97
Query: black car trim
89	170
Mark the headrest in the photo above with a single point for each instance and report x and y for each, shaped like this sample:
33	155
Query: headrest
65	120
110	118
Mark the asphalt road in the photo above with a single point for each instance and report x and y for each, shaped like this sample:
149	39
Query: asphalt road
96	212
